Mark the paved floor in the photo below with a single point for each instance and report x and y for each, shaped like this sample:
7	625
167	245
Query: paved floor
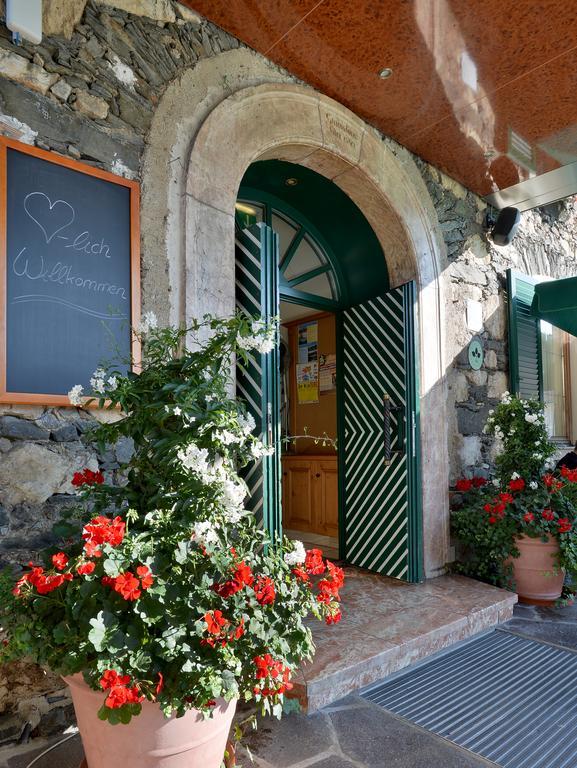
352	733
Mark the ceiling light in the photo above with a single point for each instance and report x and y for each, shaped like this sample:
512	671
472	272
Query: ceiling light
291	182
245	209
385	73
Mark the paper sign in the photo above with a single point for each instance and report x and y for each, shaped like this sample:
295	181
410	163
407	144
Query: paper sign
307	382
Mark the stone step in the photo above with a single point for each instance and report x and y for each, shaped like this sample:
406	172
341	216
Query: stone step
388	625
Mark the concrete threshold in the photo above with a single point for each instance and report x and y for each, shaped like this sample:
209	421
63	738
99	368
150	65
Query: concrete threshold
388	625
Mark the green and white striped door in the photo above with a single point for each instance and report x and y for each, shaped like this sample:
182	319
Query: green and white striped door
258	382
381	435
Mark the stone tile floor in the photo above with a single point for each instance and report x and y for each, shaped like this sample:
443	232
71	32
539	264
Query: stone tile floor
350	733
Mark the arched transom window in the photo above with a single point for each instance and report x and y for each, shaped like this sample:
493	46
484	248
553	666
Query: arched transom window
307	268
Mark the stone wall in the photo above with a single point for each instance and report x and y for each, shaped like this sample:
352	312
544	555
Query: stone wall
89	92
475	268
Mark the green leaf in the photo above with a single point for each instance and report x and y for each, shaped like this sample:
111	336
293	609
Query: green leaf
98	631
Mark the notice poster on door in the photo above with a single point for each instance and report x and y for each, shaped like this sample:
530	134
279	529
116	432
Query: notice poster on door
308	338
327	373
307	382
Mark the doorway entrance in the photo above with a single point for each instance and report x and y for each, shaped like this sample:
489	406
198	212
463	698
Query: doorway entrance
306	254
309	460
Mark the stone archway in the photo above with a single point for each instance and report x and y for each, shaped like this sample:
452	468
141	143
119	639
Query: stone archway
275	120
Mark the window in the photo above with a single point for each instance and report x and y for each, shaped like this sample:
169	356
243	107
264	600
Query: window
556	365
540	356
305	267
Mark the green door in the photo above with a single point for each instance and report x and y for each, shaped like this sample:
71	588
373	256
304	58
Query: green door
380	431
258	382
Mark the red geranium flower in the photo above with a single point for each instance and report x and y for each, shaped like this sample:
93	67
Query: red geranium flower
300	573
506	498
145	576
492	520
214	622
264	590
314	563
128	586
528	517
569	474
564	525
87	477
333	618
84	569
479	482
548	514
102	530
517	485
464	485
60	561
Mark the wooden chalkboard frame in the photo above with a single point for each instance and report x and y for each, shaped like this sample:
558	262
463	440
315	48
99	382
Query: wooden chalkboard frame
23	398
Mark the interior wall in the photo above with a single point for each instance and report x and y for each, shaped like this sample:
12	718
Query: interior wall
314	418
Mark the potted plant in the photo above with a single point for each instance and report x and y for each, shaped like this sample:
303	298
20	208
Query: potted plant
518	529
167	600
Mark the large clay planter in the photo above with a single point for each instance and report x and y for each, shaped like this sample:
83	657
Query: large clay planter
150	740
537	576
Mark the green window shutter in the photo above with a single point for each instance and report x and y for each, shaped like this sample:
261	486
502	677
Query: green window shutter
525	368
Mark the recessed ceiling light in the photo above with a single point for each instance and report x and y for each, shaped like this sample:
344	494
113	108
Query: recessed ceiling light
385	73
291	182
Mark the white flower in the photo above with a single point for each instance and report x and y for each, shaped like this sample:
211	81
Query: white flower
297	556
505	395
531	418
258	450
97	380
246	423
205	533
491	412
195	459
226	437
533	485
495	482
75	394
148	322
233	515
177	411
233	493
112	382
515	476
537	456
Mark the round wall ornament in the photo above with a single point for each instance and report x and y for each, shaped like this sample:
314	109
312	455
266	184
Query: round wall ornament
476	353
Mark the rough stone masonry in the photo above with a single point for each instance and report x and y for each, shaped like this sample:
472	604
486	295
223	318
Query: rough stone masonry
89	91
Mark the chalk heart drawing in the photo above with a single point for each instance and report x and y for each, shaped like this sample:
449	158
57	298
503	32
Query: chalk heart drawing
51	217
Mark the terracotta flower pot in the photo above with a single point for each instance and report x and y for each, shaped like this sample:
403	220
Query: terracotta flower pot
537	576
150	740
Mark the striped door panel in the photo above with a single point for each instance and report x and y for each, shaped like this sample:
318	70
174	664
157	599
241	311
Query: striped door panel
257	295
377	497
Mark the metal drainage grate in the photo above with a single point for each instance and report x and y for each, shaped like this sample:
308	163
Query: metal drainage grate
509	699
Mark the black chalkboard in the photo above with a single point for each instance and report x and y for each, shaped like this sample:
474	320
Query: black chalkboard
69	273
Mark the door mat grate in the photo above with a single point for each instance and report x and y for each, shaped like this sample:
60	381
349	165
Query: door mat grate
506	698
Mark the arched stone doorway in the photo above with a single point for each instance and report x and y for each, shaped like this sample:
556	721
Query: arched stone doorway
294	123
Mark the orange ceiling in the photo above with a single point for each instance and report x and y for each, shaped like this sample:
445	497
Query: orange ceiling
485	90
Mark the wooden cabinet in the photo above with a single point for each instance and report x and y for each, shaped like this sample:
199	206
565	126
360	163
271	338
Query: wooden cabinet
310	494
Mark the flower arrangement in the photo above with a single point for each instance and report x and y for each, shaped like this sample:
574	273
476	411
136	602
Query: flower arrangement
166	588
525	498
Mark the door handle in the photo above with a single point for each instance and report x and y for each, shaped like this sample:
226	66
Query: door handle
388	410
